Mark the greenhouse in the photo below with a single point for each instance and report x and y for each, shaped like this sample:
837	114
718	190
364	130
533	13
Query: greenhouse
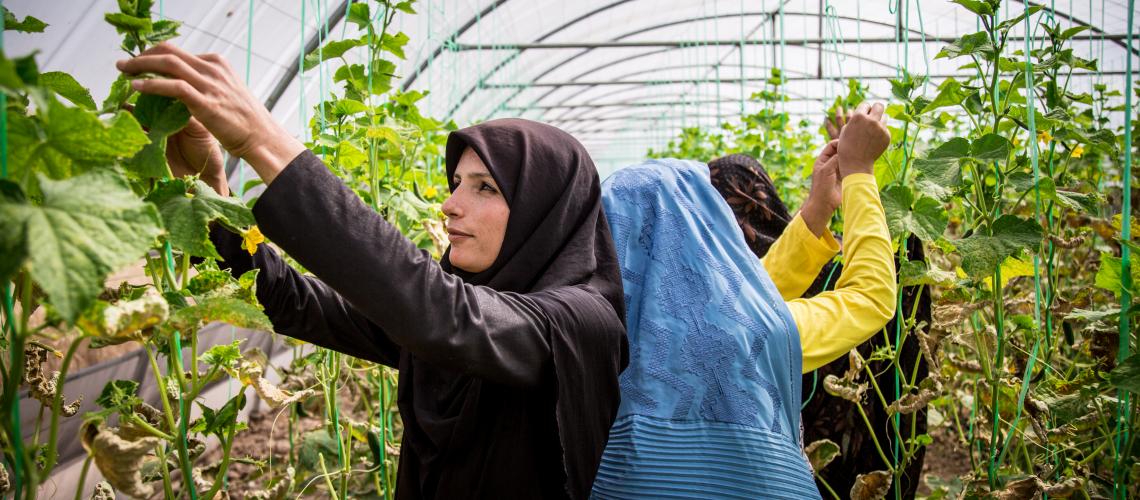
600	249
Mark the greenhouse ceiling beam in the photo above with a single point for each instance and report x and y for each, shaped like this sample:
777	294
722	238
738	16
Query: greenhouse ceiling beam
768	16
647	54
483	77
1092	29
449	41
294	69
651	83
720	43
639	104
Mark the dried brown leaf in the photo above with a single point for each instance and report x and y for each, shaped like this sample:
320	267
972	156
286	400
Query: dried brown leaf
1021	489
821	453
871	486
119	459
40	385
845	389
103	491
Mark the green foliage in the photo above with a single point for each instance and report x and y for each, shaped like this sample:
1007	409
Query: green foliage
188	206
28	25
84	228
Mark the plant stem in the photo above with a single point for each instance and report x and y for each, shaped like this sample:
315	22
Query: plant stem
82	477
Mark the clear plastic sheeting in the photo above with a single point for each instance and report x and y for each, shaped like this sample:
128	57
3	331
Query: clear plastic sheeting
621	75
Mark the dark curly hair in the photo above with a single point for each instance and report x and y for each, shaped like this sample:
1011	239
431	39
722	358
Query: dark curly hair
742	181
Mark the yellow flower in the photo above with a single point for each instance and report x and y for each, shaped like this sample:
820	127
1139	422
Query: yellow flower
1044	136
1016	141
1078	151
252	238
430	192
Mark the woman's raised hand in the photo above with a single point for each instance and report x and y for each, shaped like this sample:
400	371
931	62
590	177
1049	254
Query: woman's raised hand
834	124
193	151
826	192
220	102
862	140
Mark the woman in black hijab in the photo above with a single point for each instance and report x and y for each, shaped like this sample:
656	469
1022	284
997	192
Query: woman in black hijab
508	350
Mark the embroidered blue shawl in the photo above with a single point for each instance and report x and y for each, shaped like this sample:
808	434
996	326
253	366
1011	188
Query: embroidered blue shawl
710	400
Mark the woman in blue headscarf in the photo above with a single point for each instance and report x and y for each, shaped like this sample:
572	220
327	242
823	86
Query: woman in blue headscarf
710	400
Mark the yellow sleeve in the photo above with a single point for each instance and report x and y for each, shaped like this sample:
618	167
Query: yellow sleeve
834	322
796	257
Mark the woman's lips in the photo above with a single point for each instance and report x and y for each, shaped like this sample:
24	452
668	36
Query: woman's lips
455	236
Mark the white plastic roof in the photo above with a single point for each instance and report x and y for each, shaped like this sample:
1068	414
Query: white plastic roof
684	62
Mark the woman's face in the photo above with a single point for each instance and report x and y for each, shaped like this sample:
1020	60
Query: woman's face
477	214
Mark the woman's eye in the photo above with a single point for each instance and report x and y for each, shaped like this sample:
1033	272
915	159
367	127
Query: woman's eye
488	188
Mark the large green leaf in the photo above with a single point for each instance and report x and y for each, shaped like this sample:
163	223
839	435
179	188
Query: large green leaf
950	93
188	208
990	147
941	170
331	50
1109	276
982	253
67	87
85	228
358	14
966	45
979	7
63	141
161	117
924	217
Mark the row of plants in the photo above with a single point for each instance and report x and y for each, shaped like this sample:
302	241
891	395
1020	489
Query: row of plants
1014	184
86	190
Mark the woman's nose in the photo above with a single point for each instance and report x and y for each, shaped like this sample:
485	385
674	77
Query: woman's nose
450	207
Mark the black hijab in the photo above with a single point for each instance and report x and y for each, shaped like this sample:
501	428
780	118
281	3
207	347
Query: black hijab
468	432
557	233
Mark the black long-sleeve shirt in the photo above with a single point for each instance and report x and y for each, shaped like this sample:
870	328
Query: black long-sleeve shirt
502	395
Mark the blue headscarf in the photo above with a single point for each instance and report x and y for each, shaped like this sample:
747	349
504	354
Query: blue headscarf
714	353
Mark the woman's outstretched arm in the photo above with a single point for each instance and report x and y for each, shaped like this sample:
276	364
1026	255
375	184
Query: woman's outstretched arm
834	322
863	300
302	307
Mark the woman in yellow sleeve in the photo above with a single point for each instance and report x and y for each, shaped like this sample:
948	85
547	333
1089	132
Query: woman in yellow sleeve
710	401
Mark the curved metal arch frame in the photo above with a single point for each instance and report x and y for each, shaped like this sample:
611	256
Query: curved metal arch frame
683	102
625	59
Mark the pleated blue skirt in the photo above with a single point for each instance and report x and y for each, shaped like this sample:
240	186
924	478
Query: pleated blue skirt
647	457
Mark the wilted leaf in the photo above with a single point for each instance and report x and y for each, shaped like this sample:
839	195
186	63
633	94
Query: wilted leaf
1021	489
86	227
821	453
916	272
1126	375
40	385
227	310
871	486
120	460
125	321
845	389
1087	315
103	491
251	373
187	209
284	486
